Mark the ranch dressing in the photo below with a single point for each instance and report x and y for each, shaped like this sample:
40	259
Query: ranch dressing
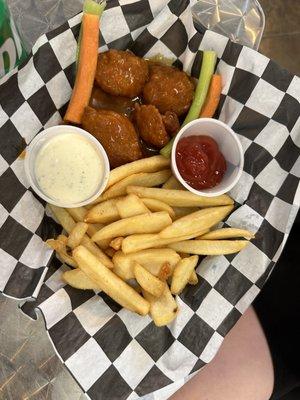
68	168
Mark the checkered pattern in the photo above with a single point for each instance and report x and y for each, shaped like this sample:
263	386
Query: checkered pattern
111	352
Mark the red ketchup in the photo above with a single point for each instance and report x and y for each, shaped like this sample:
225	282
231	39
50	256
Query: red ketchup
200	162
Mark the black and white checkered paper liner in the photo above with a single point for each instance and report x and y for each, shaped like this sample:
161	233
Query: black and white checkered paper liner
113	353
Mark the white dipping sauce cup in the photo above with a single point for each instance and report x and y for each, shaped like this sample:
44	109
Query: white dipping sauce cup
41	139
229	145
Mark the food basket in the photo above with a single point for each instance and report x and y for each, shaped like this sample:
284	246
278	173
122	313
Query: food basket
111	352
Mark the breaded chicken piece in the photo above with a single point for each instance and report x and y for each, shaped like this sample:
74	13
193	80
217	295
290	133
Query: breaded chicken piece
171	123
169	89
121	73
116	134
150	125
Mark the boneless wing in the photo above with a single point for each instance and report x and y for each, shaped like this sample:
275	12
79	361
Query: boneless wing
171	122
169	89
150	125
116	134
121	73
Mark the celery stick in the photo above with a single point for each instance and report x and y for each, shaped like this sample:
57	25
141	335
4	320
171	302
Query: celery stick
206	72
89	7
166	151
92	7
78	47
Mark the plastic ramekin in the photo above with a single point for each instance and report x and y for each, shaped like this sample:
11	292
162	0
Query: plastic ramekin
40	140
229	145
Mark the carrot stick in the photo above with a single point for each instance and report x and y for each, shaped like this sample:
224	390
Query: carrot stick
86	68
213	97
89	7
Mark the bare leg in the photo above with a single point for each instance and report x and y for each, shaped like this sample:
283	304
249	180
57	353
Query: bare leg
242	369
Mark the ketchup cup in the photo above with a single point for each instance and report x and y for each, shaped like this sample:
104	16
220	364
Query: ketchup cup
229	146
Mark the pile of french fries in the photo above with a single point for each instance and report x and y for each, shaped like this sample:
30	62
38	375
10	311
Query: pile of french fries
141	240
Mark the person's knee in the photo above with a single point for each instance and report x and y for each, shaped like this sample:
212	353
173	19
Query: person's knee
241	370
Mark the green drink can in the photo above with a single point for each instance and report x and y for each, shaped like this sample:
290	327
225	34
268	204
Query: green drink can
12	50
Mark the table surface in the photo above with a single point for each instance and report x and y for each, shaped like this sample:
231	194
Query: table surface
29	367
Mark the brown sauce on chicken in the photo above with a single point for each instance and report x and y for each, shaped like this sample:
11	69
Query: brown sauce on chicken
104	101
135	105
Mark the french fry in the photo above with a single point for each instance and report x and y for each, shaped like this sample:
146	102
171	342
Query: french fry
110	283
165	271
63	217
93	228
173	183
147	179
58	243
59	246
182	273
227	233
163	309
68	223
183	211
63	239
180	198
157	205
209	247
55	244
131	205
94	249
140	242
116	243
144	223
136	243
151	259
193	279
77	279
104	213
76	234
64	257
202	219
151	164
78	214
147	281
